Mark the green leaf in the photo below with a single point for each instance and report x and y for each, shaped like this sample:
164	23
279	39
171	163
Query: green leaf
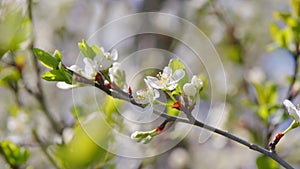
57	55
88	51
54	75
66	72
264	162
46	59
14	154
176	64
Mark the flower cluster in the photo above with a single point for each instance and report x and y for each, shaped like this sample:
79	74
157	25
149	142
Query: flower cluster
92	66
102	69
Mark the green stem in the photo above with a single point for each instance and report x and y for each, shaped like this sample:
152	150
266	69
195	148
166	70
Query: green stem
293	125
161	103
171	96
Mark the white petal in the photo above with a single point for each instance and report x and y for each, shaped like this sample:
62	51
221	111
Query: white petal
154	82
89	67
178	74
114	54
75	68
155	94
105	64
167	72
63	85
189	89
172	86
291	108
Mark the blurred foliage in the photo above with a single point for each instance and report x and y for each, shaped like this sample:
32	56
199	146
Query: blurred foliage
266	101
15	27
92	133
264	162
14	154
87	147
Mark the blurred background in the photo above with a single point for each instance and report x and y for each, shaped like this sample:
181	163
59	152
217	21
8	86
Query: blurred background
37	115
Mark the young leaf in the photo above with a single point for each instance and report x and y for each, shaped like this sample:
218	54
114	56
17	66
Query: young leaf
55	75
88	51
57	55
46	59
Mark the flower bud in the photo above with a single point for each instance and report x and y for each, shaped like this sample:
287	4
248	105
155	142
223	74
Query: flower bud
189	89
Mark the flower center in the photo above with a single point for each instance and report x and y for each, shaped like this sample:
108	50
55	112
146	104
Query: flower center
163	77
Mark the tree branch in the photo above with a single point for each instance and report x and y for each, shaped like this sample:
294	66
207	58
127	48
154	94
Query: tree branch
191	120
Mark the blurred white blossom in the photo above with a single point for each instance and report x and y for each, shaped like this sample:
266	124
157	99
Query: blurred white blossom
19	127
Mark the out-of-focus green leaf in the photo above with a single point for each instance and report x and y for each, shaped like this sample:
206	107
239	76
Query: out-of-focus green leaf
264	162
14	154
263	113
88	51
266	98
77	111
15	27
296	8
275	32
85	150
284	16
176	64
9	74
110	107
46	59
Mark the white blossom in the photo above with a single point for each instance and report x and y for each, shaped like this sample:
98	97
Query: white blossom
105	59
292	110
117	75
167	80
147	95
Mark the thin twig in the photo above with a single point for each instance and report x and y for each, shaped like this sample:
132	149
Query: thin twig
290	94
